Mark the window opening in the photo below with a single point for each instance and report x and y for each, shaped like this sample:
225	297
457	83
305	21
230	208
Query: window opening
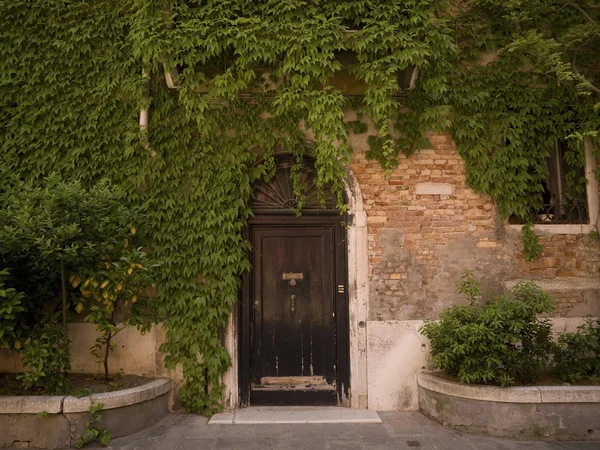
564	192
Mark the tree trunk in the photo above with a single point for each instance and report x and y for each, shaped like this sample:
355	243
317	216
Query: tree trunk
106	352
64	305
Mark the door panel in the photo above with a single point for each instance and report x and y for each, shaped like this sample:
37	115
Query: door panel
293	306
293	322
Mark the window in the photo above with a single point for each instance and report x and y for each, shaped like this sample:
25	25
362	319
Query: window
564	190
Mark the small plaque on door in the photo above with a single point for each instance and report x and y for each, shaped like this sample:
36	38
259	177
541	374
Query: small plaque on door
292	276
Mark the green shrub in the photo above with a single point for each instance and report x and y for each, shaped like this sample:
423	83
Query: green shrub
11	305
46	358
50	229
577	355
500	342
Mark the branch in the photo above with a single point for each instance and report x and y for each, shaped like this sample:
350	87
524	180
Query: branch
581	10
574	60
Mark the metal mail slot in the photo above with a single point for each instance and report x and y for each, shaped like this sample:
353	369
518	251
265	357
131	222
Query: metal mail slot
292	276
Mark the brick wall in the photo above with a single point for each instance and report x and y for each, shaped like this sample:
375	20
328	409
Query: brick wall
564	256
426	226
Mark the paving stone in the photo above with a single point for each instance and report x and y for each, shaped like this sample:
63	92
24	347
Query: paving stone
196	444
343	444
272	430
191	432
123	445
306	431
492	444
403	424
158	444
341	431
381	445
233	443
445	443
270	443
306	445
207	432
377	432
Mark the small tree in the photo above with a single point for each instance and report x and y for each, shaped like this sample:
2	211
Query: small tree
48	231
118	292
64	225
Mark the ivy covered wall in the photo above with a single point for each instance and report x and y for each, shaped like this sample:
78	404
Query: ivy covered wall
76	74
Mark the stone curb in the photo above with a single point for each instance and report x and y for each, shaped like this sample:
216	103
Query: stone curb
477	392
531	394
33	404
570	394
118	399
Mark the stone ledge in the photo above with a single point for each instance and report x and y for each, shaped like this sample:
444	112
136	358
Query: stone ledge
31	404
125	412
570	394
118	399
563	413
527	394
559	284
478	392
545	229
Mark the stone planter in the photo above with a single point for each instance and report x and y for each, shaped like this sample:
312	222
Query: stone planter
57	421
535	412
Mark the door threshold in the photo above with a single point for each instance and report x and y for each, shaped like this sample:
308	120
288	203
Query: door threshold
255	415
293	397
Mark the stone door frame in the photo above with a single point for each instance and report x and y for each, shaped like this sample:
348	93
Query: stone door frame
358	293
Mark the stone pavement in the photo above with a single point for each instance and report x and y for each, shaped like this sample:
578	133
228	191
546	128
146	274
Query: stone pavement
399	430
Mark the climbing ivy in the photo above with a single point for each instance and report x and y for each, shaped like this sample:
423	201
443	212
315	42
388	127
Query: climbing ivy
251	76
516	91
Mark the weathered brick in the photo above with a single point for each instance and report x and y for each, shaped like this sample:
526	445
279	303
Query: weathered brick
446	234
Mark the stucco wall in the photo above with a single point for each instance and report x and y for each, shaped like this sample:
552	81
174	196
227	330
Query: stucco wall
133	354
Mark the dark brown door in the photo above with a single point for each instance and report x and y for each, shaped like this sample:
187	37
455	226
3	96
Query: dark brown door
293	316
296	286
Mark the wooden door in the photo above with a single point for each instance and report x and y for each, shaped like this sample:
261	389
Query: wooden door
293	322
293	317
295	310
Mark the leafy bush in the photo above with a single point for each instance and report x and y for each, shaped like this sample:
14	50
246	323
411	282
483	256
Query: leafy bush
49	230
577	355
46	358
11	304
500	342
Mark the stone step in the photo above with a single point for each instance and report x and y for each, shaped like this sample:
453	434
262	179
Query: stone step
295	414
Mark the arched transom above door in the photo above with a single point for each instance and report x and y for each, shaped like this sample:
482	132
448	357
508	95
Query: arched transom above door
277	194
